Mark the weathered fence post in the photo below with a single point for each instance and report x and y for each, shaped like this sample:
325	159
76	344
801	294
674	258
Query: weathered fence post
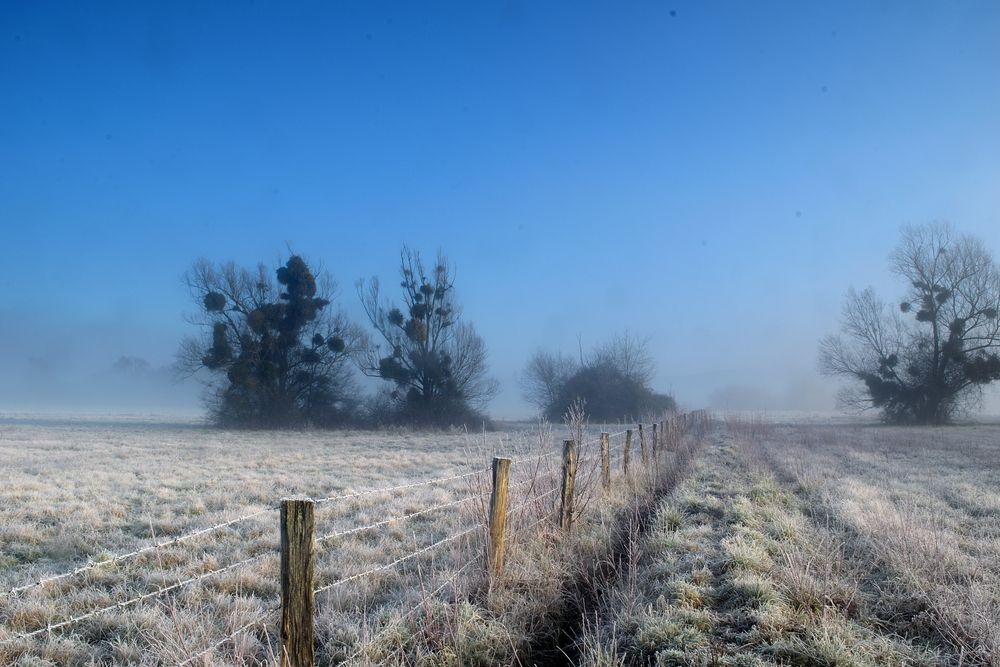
568	479
606	461
298	535
656	442
627	452
498	515
642	447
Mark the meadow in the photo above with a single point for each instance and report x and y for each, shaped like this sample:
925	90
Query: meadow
766	542
109	517
816	544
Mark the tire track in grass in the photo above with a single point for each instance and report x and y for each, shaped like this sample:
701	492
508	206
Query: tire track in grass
732	572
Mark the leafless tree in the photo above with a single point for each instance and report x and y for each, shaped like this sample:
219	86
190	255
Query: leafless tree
275	353
544	377
629	355
929	358
436	362
613	381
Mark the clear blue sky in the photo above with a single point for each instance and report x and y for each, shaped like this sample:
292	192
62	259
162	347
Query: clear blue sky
712	175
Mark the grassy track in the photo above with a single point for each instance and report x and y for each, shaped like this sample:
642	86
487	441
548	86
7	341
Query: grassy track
745	565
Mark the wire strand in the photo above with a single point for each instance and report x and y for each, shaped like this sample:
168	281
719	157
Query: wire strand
411	485
132	601
414	554
227	638
404	517
134	554
396	621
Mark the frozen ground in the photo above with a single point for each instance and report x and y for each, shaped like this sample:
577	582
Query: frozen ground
817	544
80	491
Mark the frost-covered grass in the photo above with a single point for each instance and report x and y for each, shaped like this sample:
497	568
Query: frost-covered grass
923	506
816	544
74	493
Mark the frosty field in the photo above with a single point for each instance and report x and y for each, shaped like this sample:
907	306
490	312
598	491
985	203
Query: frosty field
813	544
808	543
80	493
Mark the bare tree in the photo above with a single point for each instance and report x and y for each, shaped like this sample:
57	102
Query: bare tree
613	381
277	355
437	364
629	355
544	376
927	367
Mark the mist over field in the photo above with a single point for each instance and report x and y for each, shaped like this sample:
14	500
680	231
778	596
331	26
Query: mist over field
712	186
500	333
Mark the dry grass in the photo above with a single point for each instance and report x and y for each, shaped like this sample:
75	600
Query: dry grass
76	493
816	545
923	507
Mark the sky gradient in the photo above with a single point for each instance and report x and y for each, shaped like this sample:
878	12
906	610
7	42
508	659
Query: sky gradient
711	175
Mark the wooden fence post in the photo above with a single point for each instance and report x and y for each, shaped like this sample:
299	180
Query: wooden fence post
298	533
606	461
642	447
656	442
568	479
498	515
627	452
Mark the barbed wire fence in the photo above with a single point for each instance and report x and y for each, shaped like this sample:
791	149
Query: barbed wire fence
551	486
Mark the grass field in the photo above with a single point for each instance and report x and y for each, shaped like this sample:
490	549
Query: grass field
772	544
816	545
78	494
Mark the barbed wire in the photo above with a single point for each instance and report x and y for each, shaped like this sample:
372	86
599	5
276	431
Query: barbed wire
396	621
227	638
538	457
118	558
384	522
542	518
386	566
399	487
132	601
558	452
533	499
134	554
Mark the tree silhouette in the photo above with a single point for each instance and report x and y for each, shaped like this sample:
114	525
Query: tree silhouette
277	354
927	360
435	362
613	382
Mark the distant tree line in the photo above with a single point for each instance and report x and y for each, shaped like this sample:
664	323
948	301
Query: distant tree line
613	382
279	353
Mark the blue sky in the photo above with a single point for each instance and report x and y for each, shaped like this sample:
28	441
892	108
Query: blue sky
711	175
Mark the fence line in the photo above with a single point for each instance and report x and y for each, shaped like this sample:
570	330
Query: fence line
404	517
681	424
412	485
134	554
135	600
558	452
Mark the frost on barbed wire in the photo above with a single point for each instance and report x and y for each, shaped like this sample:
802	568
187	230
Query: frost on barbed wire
401	559
396	519
533	505
132	601
120	558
